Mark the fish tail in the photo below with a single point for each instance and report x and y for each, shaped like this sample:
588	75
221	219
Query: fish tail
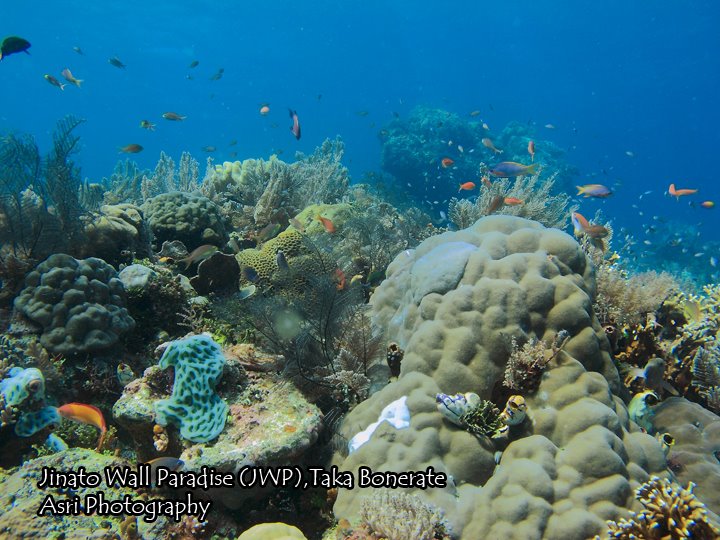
292	113
78	82
580	189
62	86
531	169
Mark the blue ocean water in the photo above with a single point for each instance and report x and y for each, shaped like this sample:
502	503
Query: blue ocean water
631	87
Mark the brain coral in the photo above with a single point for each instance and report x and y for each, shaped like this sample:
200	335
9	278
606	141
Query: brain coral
451	304
188	217
80	304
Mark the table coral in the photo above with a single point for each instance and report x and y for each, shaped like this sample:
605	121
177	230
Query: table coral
80	304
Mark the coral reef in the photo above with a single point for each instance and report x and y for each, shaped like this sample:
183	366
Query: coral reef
538	202
189	217
527	363
273	191
194	405
413	147
671	512
269	422
695	456
575	464
116	233
20	499
79	304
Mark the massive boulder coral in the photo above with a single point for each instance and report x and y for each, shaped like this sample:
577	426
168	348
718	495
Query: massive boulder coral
188	217
117	233
80	304
452	305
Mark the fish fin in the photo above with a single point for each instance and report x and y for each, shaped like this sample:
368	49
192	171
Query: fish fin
531	169
62	86
580	189
78	82
291	113
667	386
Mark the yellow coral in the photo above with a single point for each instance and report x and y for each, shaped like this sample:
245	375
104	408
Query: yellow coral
264	260
671	512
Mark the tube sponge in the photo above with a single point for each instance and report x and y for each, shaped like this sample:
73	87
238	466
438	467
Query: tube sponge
194	406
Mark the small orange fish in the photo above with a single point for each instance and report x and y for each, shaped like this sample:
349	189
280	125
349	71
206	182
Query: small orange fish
531	150
131	149
467	186
447	162
329	225
487	143
486	181
339	279
680	192
265	109
85	414
707	204
512	201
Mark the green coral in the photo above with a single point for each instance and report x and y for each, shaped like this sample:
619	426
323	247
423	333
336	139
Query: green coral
194	406
264	260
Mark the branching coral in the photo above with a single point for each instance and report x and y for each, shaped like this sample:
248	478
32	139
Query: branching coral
273	191
671	512
399	516
538	202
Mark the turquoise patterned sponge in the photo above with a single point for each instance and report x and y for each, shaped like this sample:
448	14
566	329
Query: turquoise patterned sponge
194	406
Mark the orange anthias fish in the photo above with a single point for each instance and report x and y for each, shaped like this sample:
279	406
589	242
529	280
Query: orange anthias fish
680	192
467	186
513	201
486	181
487	143
265	109
85	414
131	149
447	162
583	226
329	225
295	128
339	279
708	204
531	150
